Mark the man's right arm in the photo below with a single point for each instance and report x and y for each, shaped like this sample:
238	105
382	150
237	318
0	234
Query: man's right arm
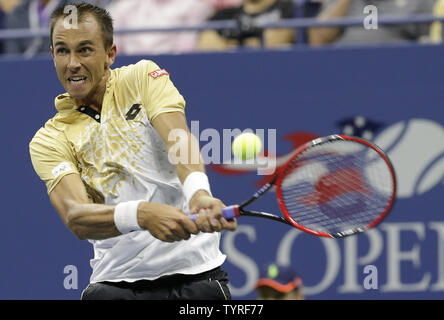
325	35
96	221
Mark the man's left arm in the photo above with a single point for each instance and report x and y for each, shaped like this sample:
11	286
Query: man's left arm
184	150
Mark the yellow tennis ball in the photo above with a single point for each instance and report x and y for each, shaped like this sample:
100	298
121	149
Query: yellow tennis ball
246	146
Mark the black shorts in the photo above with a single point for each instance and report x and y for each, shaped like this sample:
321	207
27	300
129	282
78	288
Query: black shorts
210	285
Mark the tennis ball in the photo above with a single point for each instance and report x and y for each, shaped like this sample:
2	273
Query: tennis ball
273	271
246	146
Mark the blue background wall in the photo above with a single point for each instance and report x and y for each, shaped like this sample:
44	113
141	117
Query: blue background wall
400	89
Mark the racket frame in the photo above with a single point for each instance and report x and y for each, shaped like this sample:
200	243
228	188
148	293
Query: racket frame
235	211
351	231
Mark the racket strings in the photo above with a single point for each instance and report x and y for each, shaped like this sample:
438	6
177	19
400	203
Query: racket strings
337	186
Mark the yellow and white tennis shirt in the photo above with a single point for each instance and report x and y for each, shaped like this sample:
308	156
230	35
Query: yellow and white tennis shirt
120	157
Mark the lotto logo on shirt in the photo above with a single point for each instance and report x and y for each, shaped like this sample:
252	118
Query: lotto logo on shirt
159	73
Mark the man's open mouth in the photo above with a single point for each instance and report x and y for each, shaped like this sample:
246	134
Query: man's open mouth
76	79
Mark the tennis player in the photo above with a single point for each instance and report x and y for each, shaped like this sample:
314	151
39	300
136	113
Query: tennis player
104	160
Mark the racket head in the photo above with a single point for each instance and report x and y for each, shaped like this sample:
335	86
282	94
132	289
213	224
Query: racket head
336	186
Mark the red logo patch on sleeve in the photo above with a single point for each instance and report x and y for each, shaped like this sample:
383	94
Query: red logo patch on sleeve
159	73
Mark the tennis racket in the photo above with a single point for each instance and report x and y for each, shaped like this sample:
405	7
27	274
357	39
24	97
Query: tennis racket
334	186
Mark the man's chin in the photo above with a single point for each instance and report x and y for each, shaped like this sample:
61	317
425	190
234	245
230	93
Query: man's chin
77	95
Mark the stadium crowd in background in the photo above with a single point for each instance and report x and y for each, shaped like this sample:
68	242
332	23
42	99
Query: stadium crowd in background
436	28
139	14
248	16
32	14
6	7
157	14
382	34
127	14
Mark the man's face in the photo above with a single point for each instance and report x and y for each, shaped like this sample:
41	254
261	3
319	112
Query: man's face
80	57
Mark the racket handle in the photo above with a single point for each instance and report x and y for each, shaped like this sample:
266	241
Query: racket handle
231	212
227	212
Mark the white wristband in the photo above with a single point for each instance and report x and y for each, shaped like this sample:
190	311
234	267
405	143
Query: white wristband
125	216
194	182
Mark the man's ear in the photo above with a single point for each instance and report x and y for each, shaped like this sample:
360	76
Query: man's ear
51	49
111	56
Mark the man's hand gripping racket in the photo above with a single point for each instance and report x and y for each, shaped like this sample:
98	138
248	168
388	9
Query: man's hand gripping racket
334	186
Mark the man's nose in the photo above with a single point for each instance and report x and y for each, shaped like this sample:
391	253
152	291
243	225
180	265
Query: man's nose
74	62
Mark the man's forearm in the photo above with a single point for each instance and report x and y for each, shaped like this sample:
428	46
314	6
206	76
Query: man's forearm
92	221
98	222
318	36
183	147
192	160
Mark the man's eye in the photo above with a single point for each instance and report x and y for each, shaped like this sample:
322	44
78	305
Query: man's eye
85	50
62	51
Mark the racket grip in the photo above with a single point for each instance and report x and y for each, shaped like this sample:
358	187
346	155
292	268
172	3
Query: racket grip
231	212
227	212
